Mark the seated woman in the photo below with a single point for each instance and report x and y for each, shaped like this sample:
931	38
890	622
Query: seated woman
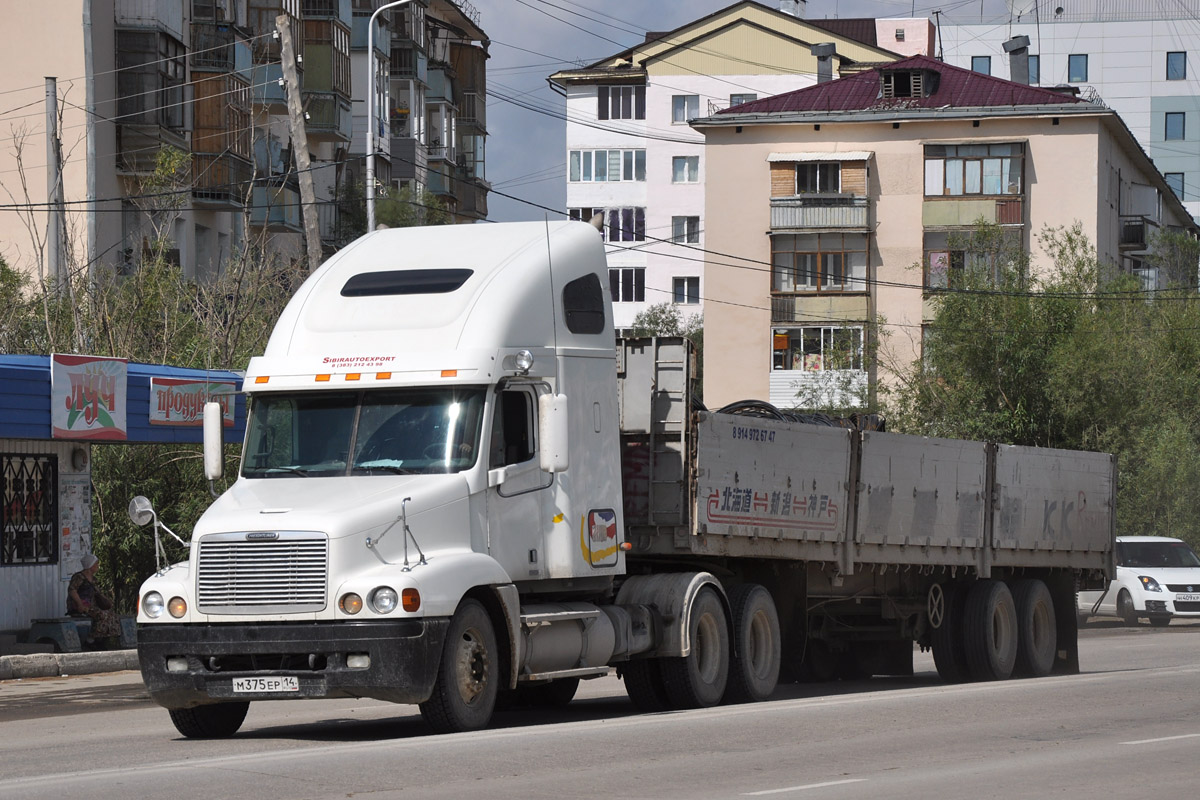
85	599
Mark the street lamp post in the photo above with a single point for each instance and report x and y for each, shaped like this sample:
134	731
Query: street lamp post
371	110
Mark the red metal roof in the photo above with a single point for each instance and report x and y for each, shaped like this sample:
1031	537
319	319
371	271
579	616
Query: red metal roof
955	88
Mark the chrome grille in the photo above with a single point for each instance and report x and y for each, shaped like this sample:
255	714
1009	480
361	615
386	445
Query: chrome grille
283	575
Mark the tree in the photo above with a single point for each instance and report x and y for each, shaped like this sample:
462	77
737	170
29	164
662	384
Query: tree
666	319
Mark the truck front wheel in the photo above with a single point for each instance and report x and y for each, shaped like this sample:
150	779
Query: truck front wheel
698	679
210	722
464	694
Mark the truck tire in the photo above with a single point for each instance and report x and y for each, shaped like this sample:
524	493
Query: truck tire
555	694
644	685
949	651
754	669
698	679
1125	609
464	694
990	631
1037	629
214	721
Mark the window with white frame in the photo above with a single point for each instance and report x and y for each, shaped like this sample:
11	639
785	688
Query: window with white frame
684	107
952	170
620	102
607	165
685	230
819	262
815	348
626	224
685	169
818	176
686	291
628	284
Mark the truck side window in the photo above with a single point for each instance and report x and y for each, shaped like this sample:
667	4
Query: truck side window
512	429
583	305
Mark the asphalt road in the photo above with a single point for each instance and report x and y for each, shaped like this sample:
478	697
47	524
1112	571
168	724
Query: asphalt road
1128	726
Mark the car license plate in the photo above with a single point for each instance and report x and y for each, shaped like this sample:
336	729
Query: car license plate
1187	598
288	683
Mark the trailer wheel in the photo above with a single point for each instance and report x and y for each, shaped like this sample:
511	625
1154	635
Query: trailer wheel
215	721
464	695
698	679
946	606
754	669
990	631
644	685
1037	629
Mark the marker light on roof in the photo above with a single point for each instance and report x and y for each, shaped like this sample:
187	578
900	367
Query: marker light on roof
262	379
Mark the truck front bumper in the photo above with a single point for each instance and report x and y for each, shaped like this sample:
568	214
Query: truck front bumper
190	665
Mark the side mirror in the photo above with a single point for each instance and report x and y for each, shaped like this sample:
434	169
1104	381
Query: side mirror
552	425
214	434
140	511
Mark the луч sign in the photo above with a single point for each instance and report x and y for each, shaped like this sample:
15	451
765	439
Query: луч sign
176	401
87	397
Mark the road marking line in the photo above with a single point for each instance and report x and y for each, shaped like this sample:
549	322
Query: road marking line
802	788
1164	739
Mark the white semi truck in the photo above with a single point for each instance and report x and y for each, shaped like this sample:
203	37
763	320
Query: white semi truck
453	491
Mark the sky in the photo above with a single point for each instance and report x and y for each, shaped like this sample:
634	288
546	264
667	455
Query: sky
530	39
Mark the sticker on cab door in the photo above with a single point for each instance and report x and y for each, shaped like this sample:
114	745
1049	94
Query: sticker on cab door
598	537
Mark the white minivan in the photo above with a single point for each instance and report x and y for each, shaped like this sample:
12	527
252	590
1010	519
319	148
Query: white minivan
1157	578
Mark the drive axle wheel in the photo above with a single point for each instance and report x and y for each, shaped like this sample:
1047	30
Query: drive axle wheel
644	685
215	721
698	679
464	695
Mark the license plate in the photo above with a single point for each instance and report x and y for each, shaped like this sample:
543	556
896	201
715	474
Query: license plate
1187	598
263	685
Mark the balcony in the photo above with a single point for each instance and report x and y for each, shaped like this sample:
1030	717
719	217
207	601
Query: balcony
819	211
797	307
266	88
442	152
408	159
276	207
220	181
314	9
212	46
472	198
409	63
474	110
965	211
328	117
261	21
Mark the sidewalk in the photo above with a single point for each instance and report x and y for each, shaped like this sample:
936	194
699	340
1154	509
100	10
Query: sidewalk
52	665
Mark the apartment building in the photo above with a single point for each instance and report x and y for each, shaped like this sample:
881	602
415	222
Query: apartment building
1132	55
204	77
837	206
632	157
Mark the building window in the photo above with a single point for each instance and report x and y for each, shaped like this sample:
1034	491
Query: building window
628	284
685	230
687	291
738	99
952	170
1174	126
818	176
684	107
150	79
818	348
819	262
1077	69
608	165
685	169
29	514
950	259
899	34
619	224
621	102
1176	66
907	83
981	64
1035	70
1175	181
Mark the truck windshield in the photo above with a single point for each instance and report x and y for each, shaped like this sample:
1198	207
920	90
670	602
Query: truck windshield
405	431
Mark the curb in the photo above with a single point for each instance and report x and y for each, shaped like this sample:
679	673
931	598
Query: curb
53	665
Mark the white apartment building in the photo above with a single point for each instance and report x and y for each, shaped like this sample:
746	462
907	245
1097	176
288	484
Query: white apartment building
1141	58
632	156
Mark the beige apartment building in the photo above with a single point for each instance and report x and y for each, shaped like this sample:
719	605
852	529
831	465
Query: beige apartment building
836	206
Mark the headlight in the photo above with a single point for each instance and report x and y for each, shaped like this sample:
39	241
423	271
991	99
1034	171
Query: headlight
1149	584
350	603
177	607
384	600
152	604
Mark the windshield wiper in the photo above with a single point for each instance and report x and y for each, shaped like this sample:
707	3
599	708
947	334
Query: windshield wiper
303	473
388	468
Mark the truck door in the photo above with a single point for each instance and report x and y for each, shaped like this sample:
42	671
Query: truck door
518	489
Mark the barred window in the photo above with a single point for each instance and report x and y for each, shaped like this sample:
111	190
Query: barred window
29	514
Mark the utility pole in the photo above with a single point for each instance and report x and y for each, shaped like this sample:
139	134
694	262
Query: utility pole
308	198
54	189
